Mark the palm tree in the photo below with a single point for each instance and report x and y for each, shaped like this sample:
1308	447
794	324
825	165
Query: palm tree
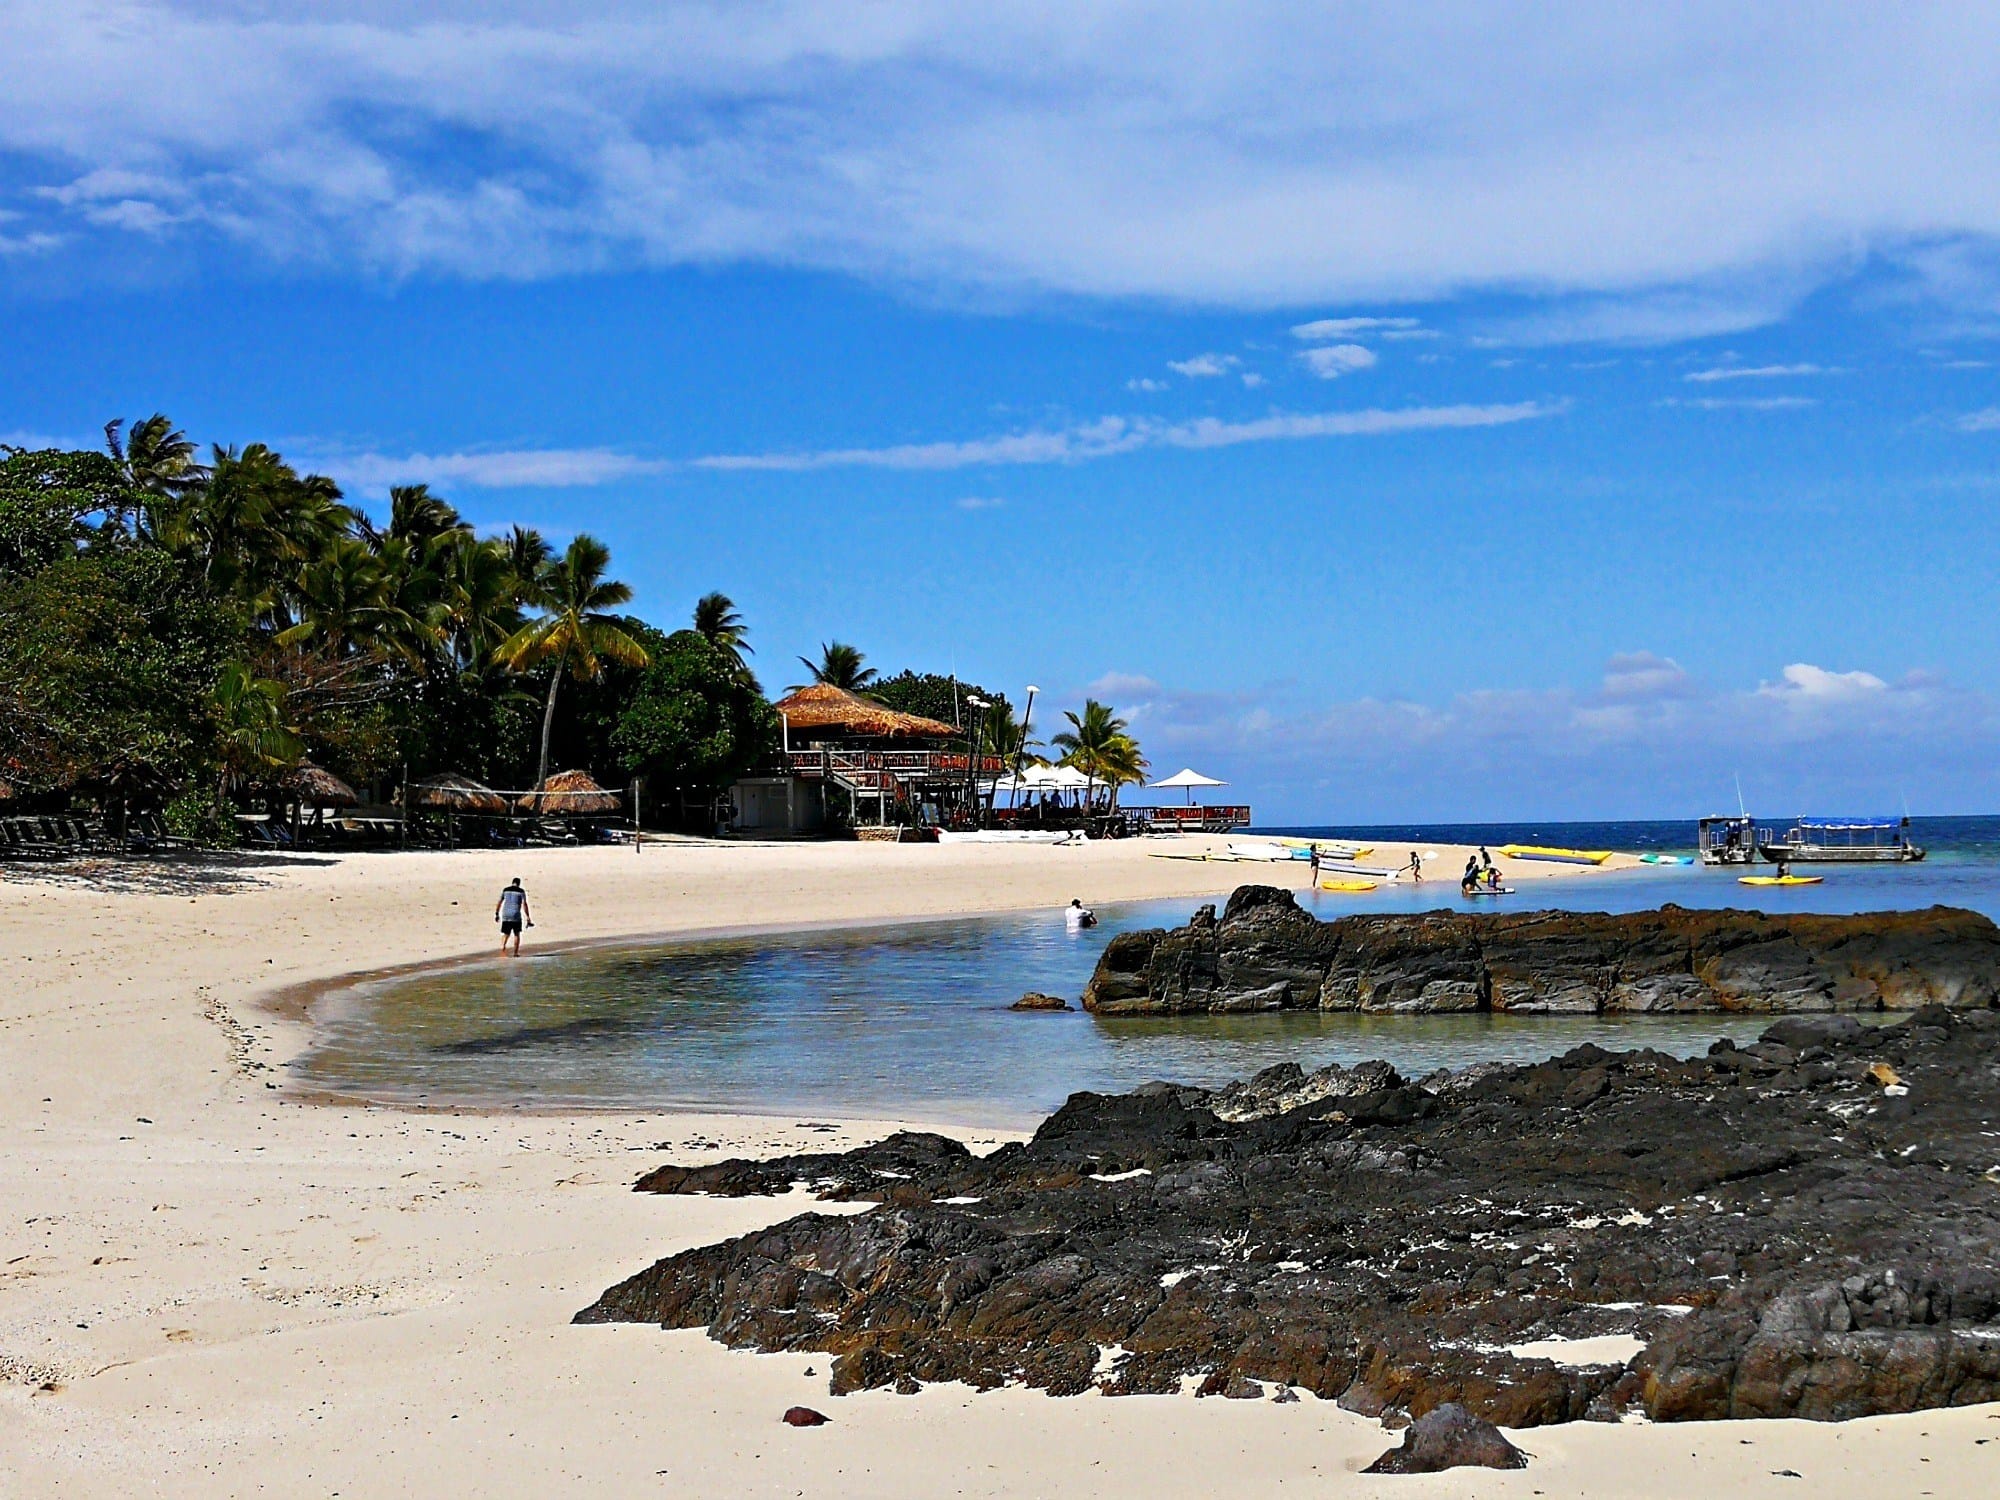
575	633
717	622
157	459
254	736
1100	745
1005	736
527	554
839	665
481	599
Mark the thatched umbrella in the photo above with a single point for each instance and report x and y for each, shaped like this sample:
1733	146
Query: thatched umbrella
315	786
570	794
453	793
824	707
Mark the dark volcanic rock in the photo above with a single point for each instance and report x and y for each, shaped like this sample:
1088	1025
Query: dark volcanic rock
1785	1235
1266	953
804	1416
1449	1437
1036	1000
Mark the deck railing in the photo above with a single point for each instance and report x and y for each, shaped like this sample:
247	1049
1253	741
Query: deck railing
1215	819
904	765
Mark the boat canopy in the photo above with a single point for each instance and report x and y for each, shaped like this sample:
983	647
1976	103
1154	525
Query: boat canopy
1853	825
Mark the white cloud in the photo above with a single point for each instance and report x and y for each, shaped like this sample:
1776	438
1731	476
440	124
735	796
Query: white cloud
980	502
1331	361
524	468
1742	403
1757	372
1113	435
1641	674
1649	741
1801	682
1145	383
1204	365
1250	155
1116	688
1251	379
1986	420
1324	330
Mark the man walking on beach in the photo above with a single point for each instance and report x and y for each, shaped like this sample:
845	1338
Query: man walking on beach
511	912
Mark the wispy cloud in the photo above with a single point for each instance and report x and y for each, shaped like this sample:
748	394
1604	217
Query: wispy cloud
1324	330
1986	420
1204	366
1331	361
505	469
1145	383
1740	403
1109	436
980	502
1758	372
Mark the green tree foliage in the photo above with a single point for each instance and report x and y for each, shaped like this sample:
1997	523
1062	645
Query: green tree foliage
936	696
694	724
108	660
52	504
180	630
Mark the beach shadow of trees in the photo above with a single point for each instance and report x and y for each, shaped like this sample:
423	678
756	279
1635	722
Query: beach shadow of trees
190	872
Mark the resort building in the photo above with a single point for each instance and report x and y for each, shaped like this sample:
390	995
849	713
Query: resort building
844	757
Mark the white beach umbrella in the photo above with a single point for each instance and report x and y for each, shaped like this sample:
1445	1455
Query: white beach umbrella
1187	778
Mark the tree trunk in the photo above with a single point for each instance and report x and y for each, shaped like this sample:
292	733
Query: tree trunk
548	727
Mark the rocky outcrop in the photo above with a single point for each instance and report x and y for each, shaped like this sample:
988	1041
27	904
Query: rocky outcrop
1266	953
1449	1437
1783	1233
1036	1000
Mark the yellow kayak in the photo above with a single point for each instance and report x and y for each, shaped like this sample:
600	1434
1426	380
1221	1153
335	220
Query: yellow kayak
1779	879
1347	885
1556	856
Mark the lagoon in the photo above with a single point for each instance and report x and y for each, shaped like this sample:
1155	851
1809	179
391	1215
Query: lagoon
911	1021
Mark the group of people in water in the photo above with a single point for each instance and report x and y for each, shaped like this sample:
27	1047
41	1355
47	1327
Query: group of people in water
1481	874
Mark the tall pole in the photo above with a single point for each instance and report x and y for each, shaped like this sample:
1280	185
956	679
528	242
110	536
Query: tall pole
1021	748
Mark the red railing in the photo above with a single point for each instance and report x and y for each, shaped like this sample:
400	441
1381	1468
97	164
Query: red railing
915	765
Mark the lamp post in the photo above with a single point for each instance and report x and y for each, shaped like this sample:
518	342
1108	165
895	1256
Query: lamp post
972	754
1021	746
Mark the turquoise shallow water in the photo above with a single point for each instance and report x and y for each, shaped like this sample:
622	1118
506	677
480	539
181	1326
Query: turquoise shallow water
912	1021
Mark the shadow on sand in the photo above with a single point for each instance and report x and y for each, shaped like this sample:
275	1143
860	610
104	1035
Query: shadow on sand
190	872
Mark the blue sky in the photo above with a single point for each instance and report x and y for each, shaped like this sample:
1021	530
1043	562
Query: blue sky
1400	412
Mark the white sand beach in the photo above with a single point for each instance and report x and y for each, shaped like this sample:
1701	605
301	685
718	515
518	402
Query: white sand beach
209	1287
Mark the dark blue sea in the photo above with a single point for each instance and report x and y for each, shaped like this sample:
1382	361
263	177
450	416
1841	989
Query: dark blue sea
911	1021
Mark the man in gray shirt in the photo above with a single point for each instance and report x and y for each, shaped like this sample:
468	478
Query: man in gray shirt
511	912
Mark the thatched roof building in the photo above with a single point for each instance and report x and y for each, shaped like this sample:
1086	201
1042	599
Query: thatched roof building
571	794
823	712
452	793
315	786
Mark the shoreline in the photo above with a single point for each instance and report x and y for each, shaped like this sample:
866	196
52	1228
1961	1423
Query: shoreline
210	1287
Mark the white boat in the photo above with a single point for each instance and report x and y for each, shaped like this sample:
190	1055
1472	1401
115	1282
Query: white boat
1010	836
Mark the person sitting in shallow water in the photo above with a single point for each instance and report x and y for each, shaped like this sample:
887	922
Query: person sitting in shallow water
1078	916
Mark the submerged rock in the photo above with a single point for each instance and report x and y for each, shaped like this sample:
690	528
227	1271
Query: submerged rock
1266	953
1036	1000
1781	1235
